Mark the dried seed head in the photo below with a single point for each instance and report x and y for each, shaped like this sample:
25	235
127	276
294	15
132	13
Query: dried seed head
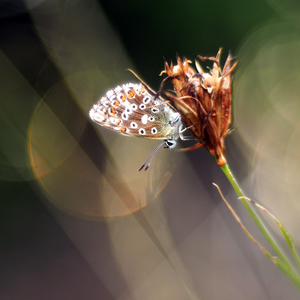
203	101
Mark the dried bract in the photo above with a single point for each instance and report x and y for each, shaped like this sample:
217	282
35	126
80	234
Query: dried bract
203	101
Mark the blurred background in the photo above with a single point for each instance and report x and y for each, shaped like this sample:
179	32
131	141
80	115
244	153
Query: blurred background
77	219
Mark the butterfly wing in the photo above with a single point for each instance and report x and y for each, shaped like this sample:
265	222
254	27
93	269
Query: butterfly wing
132	110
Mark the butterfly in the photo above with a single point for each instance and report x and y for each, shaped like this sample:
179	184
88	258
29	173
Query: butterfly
135	110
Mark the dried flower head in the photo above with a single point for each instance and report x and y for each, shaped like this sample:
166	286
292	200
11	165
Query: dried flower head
203	101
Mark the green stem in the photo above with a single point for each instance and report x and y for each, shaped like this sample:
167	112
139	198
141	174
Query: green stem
289	269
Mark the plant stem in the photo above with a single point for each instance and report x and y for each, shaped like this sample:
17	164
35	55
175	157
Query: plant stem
289	269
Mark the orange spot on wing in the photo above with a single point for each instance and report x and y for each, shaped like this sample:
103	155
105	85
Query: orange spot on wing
121	97
123	129
130	93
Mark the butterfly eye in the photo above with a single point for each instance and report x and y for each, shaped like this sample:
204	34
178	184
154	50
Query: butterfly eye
170	143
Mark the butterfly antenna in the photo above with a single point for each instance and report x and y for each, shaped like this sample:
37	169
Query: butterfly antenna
150	157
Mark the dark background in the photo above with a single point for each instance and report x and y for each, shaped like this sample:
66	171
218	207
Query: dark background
38	256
